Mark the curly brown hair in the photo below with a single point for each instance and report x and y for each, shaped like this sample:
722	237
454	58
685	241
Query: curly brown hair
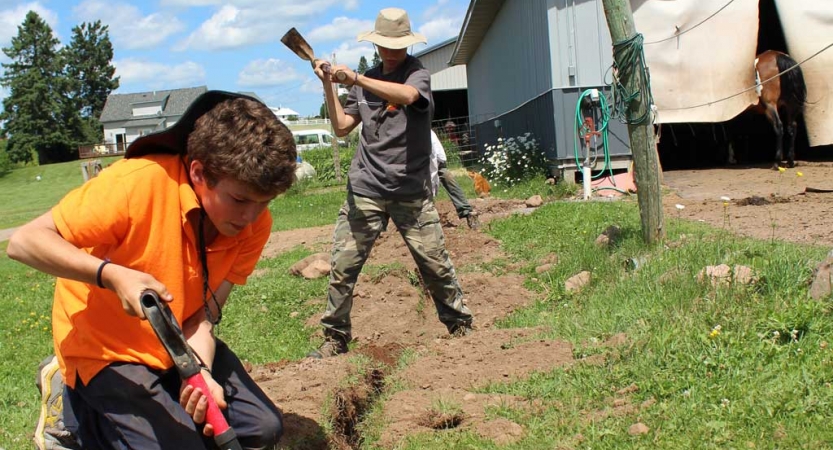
243	140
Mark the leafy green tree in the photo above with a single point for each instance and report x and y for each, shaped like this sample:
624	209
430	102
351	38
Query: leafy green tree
33	114
322	112
5	163
376	59
90	72
362	66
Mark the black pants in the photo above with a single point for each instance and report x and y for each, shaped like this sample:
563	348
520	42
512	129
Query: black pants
130	406
455	192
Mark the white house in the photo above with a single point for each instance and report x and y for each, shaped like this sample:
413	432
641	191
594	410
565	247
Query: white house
128	116
285	114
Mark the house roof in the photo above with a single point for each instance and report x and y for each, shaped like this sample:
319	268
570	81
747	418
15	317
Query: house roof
151	121
479	18
281	111
430	49
119	107
252	94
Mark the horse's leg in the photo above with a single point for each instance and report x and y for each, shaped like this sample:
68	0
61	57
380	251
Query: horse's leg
775	120
792	126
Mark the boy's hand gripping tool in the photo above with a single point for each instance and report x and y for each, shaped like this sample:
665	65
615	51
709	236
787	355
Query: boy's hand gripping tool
164	323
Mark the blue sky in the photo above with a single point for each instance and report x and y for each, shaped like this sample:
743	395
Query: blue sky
231	45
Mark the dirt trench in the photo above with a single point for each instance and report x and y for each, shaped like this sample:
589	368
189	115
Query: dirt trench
326	401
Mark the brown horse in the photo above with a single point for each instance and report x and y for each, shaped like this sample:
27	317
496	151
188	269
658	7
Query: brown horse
781	99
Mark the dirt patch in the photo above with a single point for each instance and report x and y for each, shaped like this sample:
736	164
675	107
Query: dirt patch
760	201
317	239
392	314
783	204
438	388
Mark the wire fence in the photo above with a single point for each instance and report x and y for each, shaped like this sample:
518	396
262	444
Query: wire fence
459	140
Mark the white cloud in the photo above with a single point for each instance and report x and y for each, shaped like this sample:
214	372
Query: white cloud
434	10
351	5
312	86
189	3
244	22
440	29
267	72
158	75
442	20
341	28
12	18
229	27
129	27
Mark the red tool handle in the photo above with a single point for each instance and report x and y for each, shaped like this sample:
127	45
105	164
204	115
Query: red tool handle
224	435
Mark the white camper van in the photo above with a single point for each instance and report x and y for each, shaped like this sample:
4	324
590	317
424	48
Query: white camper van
309	139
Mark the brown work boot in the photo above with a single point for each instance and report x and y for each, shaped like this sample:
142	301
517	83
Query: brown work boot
333	345
473	221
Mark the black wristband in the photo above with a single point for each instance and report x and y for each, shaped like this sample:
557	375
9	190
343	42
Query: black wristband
98	273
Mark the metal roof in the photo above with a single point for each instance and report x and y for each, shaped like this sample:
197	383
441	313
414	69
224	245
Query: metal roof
479	18
430	49
119	107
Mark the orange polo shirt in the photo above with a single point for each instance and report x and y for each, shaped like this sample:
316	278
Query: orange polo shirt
135	214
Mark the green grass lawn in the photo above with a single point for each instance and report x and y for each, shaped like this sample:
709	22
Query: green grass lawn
23	197
728	367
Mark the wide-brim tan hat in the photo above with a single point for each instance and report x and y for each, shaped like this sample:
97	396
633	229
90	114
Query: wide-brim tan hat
393	30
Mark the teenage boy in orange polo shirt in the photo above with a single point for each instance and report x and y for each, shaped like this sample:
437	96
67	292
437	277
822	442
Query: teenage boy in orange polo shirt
184	214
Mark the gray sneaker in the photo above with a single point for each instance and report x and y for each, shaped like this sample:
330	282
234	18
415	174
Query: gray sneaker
332	346
50	433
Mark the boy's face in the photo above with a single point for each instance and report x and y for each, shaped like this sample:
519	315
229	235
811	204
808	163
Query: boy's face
230	204
391	58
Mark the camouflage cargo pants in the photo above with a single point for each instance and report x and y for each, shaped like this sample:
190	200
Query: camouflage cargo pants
359	223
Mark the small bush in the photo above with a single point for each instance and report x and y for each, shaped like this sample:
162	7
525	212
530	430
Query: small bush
513	160
322	159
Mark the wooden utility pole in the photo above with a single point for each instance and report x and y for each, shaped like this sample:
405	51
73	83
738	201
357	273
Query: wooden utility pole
334	143
643	148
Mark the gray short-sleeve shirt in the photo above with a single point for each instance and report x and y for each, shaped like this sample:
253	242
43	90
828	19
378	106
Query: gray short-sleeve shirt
392	161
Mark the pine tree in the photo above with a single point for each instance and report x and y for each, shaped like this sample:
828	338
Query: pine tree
376	59
33	115
89	69
362	66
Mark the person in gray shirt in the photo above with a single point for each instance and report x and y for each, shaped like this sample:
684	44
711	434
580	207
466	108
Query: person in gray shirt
389	178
